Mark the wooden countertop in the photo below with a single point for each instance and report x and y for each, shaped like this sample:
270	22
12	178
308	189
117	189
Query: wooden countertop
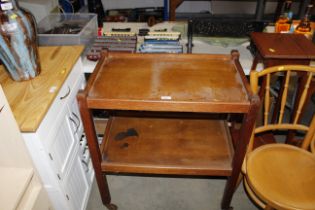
30	100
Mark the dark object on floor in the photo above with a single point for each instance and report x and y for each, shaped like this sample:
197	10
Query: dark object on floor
226	27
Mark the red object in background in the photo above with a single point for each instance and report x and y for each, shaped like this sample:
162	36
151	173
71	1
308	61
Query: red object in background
99	31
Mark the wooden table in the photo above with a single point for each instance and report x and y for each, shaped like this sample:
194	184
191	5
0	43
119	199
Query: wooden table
284	49
280	49
168	115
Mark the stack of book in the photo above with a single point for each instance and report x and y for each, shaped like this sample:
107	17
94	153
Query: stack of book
113	41
161	42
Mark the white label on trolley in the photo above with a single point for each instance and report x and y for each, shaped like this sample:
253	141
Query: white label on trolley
7	6
166	97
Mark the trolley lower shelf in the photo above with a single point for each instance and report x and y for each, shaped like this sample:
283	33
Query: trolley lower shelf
167	146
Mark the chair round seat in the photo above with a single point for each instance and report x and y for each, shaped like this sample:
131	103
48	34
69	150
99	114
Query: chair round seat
282	176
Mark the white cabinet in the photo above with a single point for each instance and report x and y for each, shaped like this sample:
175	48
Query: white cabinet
57	148
21	188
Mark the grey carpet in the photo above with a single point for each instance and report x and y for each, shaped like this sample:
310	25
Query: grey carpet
155	193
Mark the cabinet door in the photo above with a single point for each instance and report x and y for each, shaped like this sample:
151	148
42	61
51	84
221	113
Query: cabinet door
61	148
76	186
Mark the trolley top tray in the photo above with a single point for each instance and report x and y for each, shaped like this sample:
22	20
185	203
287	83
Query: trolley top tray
167	82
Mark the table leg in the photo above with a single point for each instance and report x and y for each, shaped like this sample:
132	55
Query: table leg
255	62
240	152
173	5
94	149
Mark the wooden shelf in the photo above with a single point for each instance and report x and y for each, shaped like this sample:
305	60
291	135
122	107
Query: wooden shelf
167	146
13	182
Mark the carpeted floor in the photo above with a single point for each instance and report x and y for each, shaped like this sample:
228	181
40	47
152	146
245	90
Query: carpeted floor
156	193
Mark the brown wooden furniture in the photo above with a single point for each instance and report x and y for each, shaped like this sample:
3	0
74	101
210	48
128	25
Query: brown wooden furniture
168	116
284	49
280	191
281	176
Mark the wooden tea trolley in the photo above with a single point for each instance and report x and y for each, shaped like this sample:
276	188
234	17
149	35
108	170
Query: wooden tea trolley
170	115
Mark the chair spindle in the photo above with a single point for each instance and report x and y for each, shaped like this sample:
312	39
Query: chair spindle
267	100
284	97
303	97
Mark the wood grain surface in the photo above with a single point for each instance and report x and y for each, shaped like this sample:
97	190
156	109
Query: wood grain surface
283	46
167	82
30	100
167	146
282	175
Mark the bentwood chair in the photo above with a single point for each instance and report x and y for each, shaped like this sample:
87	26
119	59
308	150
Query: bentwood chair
282	176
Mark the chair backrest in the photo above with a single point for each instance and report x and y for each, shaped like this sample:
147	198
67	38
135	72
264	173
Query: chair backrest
293	89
